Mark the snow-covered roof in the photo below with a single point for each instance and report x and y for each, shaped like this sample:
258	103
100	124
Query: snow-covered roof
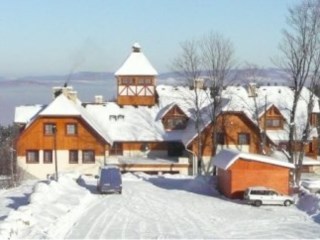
128	123
266	96
227	157
136	64
61	106
23	114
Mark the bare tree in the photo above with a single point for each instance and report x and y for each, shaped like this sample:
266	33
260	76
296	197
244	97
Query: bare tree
8	165
300	58
188	66
212	55
258	104
217	56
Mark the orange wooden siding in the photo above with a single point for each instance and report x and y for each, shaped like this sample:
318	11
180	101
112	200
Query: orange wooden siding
136	100
231	124
136	146
206	142
243	174
272	114
234	123
86	138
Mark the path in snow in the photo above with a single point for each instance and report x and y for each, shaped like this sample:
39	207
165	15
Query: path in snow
169	208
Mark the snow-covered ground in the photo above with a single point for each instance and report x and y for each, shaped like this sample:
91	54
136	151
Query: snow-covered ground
169	206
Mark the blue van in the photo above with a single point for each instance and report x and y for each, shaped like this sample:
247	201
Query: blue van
110	180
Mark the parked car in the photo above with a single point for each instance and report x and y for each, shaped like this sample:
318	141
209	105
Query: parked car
312	185
109	180
263	195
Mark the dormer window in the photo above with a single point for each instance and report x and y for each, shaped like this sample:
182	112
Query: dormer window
272	119
174	118
176	123
273	123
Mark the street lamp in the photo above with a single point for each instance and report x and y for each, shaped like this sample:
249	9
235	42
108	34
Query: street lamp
54	130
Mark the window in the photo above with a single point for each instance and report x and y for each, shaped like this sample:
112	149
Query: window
176	123
220	138
273	123
47	156
126	81
73	157
243	139
88	156
32	156
116	149
49	128
71	129
142	81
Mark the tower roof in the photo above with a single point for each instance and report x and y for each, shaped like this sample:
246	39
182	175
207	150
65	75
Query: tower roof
136	64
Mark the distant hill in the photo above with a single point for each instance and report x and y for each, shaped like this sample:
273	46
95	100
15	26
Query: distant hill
270	76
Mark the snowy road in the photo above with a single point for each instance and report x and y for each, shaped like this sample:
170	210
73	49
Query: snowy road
170	208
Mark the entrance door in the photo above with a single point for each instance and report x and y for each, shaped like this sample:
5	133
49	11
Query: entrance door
175	149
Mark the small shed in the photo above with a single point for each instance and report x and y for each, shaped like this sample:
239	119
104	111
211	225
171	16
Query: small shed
239	170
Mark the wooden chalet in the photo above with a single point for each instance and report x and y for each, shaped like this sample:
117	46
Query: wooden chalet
150	127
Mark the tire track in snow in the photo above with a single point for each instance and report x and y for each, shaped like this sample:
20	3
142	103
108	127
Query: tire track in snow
148	211
92	218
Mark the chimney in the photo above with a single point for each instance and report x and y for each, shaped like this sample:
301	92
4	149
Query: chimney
198	83
72	95
252	89
67	91
98	99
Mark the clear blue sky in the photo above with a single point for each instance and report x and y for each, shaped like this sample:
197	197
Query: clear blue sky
57	37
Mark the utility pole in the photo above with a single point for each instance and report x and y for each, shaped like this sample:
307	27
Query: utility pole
54	129
13	181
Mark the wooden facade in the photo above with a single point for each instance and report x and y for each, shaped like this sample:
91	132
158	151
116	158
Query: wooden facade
226	134
233	125
85	137
272	119
243	174
136	90
73	143
175	119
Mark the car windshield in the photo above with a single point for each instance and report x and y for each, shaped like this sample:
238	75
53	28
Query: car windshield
107	175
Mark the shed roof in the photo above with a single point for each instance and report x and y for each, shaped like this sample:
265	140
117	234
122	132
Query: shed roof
227	157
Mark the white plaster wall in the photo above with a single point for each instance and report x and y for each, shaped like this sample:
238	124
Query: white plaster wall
138	153
42	170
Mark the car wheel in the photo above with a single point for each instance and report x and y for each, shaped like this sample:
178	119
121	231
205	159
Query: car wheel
287	203
257	203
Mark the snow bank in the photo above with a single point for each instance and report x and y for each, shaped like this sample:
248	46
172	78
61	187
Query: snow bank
309	203
52	209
